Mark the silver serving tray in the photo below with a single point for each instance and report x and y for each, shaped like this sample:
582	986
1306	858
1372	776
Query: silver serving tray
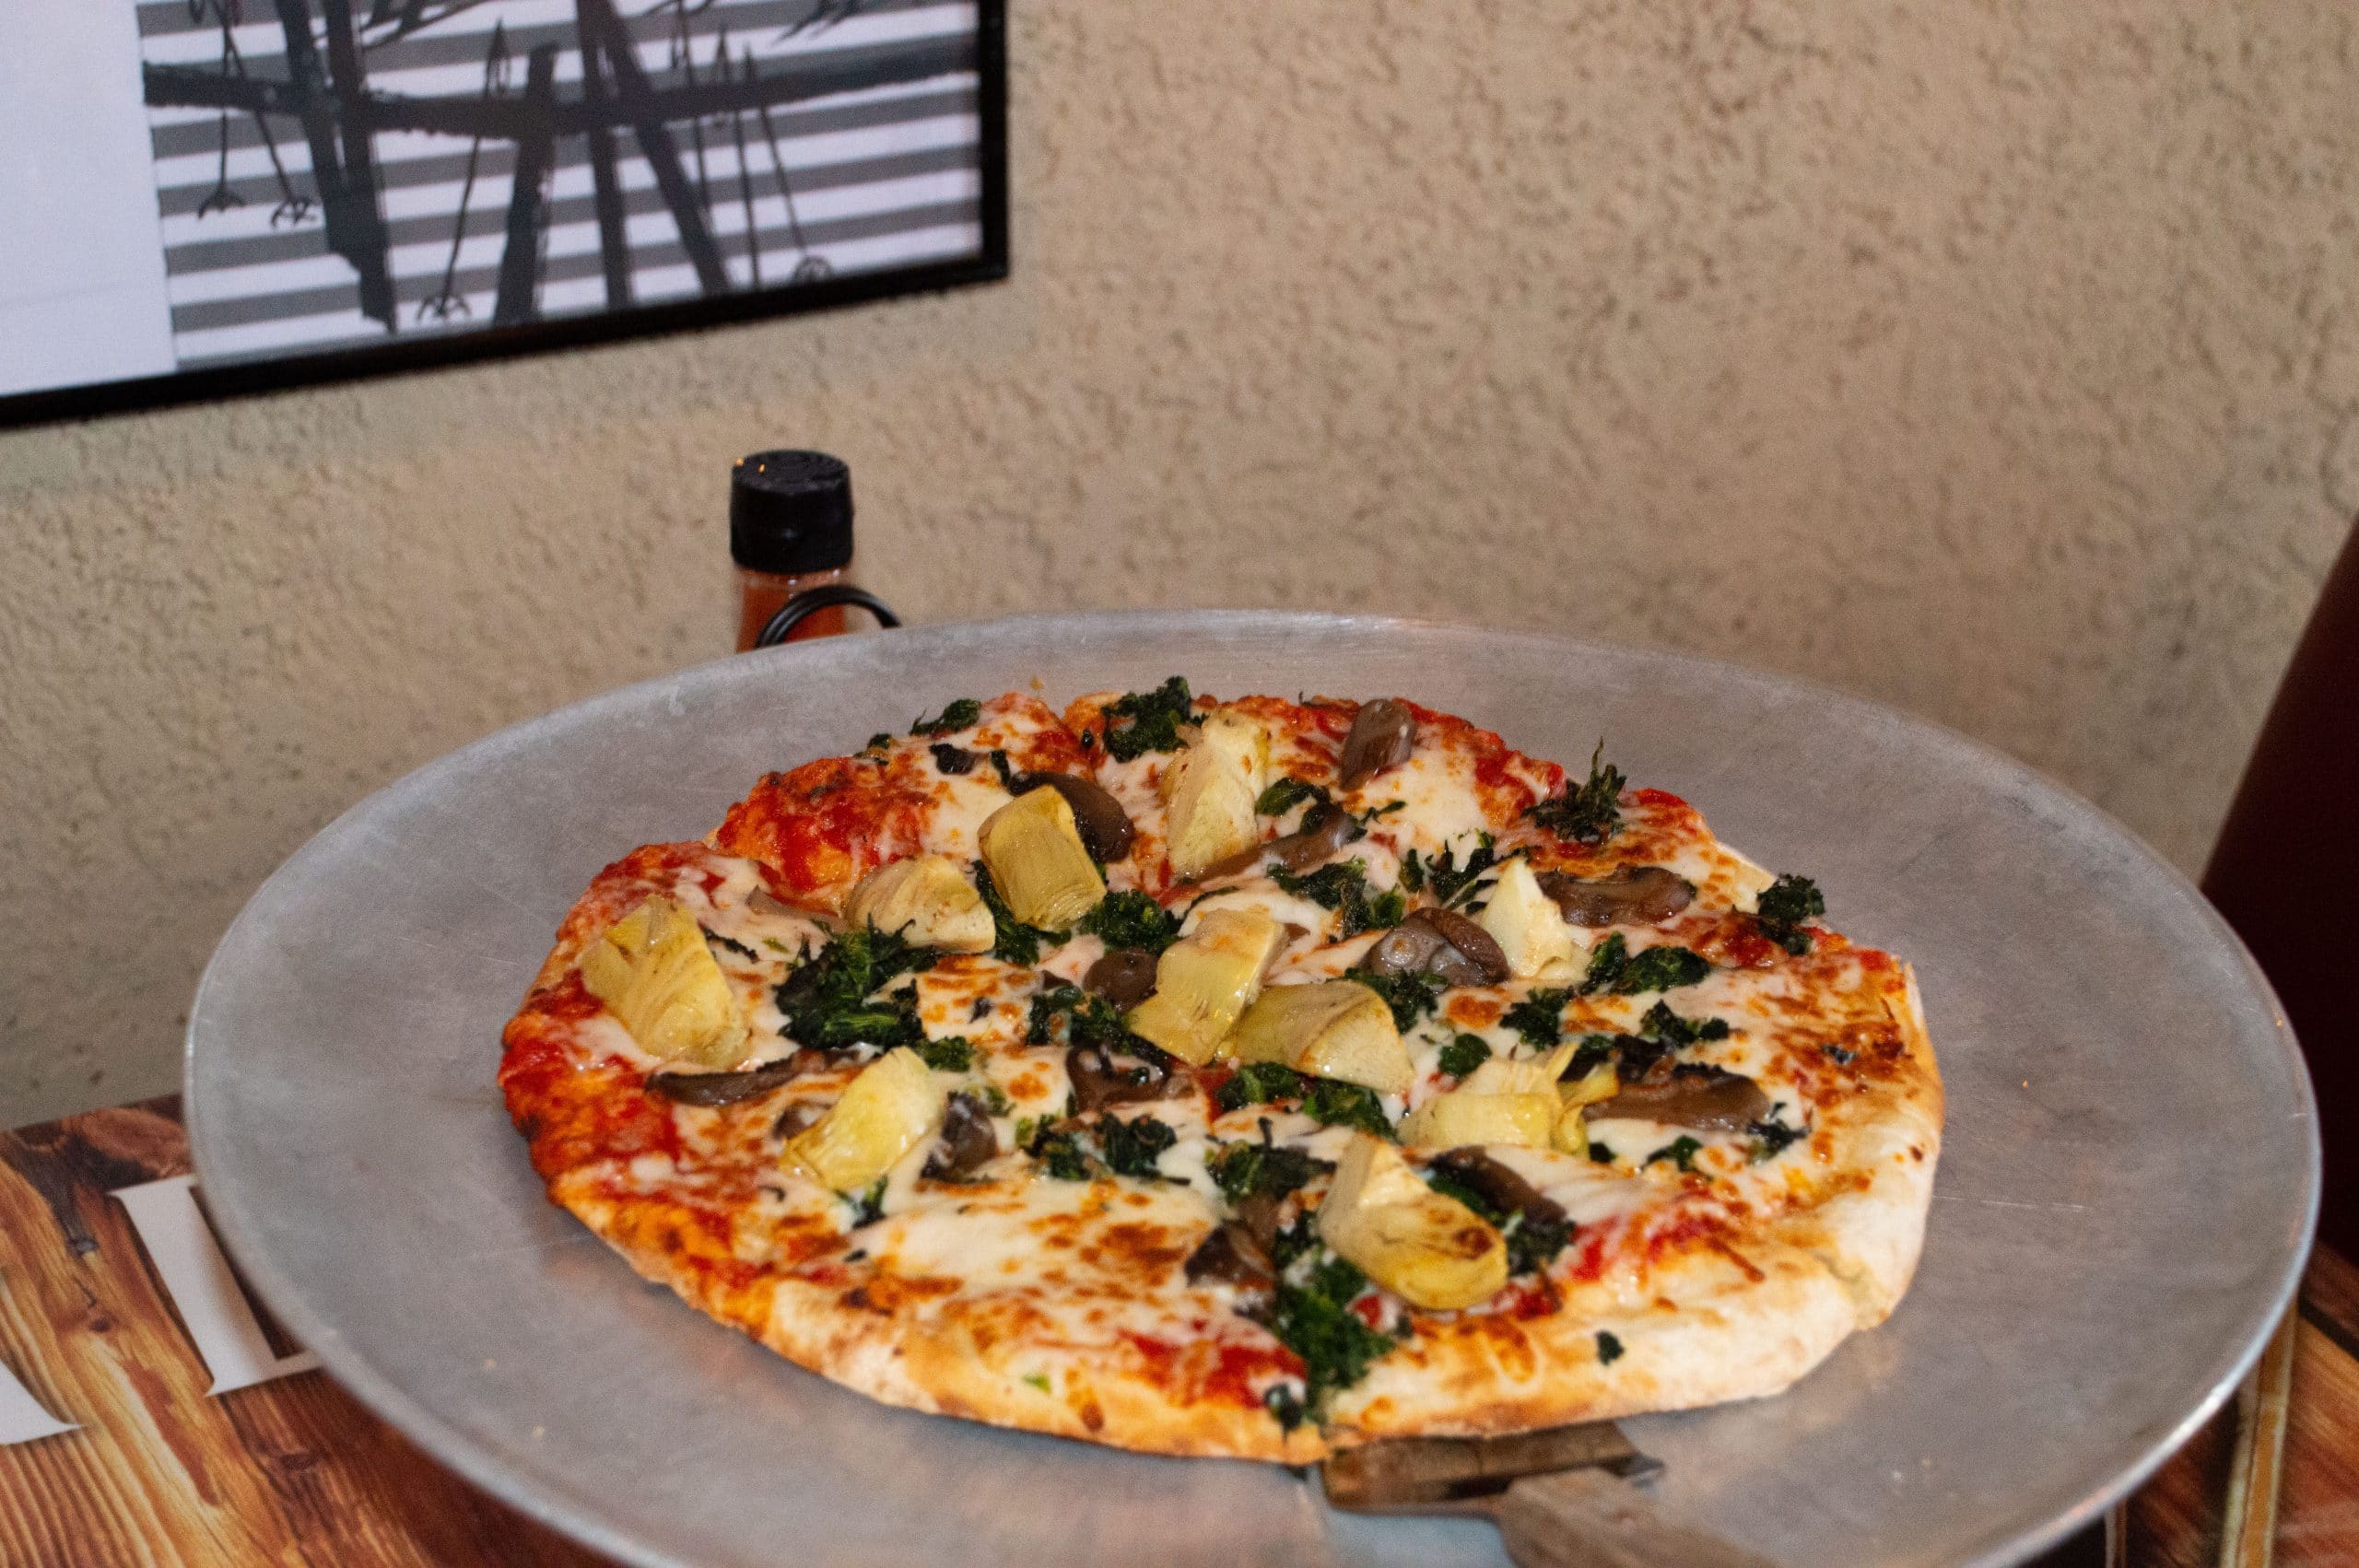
2125	1200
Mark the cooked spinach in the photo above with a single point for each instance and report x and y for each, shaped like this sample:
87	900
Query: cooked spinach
1611	968
1342	886
1132	919
1149	721
1315	1321
953	1053
1346	1105
1463	1055
1132	1145
827	1000
1590	815
1410	997
1782	909
1284	795
1680	1152
1539	1017
955	716
1257	1083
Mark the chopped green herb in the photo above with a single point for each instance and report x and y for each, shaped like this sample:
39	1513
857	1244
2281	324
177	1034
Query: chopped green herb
868	1207
1601	1153
1539	1017
1149	721
1590	813
1661	969
1611	968
1410	997
1132	1146
1038	1380
1446	876
1012	941
1132	919
1000	766
1342	886
1772	1136
739	948
1593	1049
1346	1105
956	716
1315	1321
1661	1024
1840	1056
953	1053
995	1099
1463	1055
1782	909
1244	1168
1285	1406
1257	1083
879	741
1680	1152
1284	795
1059	1152
826	999
1609	1348
1295	1240
1067	1016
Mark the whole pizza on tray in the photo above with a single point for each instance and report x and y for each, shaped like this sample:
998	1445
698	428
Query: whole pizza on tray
1250	1078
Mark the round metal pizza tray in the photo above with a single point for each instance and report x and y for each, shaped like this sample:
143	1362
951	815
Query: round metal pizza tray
2123	1204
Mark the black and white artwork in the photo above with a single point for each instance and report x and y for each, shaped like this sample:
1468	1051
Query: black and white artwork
335	186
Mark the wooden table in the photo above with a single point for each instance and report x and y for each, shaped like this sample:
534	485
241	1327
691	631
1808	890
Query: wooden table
291	1471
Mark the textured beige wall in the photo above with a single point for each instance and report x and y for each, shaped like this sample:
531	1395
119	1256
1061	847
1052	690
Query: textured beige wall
2001	362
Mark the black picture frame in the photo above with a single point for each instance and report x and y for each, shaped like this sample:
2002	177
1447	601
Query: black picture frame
245	379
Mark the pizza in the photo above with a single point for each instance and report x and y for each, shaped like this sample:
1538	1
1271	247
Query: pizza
1252	1077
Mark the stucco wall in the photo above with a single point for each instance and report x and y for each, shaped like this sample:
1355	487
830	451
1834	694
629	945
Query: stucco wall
2000	362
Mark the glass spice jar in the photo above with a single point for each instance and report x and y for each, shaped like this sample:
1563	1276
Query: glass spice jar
789	531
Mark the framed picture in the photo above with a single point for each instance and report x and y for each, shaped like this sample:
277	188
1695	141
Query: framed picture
209	197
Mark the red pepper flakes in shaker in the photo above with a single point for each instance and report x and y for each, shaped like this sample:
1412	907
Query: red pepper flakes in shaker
789	531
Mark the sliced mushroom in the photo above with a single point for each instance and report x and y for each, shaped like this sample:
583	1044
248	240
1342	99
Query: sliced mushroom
967	1140
1230	1255
1105	826
1383	733
797	1117
1689	1095
1100	1079
724	1088
1325	829
1439	942
1634	896
1125	977
1499	1186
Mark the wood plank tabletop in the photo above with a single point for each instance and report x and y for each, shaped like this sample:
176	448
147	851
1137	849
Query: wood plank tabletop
115	1448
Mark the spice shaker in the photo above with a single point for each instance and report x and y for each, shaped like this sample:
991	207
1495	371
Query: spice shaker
789	531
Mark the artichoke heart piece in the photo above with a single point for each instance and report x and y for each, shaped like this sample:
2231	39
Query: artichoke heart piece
1462	1117
1331	1029
928	900
1037	860
1430	1249
1526	923
654	973
1205	981
1209	790
895	1104
1505	1100
1571	1134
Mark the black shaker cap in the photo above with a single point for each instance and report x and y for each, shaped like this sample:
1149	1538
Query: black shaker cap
789	512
